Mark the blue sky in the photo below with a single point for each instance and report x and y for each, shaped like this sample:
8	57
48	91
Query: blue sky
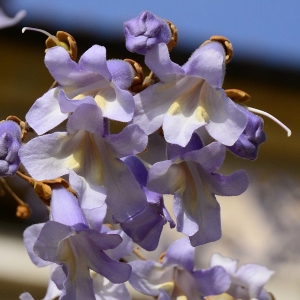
265	30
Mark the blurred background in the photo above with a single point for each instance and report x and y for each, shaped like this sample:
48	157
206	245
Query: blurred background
263	225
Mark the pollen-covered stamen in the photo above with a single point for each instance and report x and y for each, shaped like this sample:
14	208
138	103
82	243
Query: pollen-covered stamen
226	44
62	39
137	83
263	113
174	36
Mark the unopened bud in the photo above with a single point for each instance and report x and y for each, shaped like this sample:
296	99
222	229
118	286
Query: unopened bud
238	96
23	211
146	31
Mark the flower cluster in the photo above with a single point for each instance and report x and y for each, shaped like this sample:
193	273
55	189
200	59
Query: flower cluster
93	173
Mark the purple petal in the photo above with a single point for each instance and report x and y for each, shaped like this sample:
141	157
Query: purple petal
228	264
207	62
150	109
89	195
209	225
145	228
94	60
52	233
125	197
48	150
86	117
174	150
158	60
123	249
122	73
45	113
98	261
131	140
209	157
156	149
95	216
30	235
60	65
68	105
180	253
165	177
116	104
252	137
226	121
65	208
213	281
137	168
232	185
254	277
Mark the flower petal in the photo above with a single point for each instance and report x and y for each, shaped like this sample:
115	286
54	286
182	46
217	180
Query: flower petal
90	196
30	235
65	208
45	113
122	73
254	277
213	281
180	253
226	121
228	264
207	62
94	60
131	140
158	60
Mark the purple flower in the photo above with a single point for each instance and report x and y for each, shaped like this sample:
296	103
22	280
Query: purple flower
6	21
189	97
10	143
95	157
251	138
176	277
105	81
145	31
190	176
247	282
67	240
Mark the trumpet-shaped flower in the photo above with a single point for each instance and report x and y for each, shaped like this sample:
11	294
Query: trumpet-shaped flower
175	278
67	240
105	81
10	143
189	97
247	282
190	176
95	157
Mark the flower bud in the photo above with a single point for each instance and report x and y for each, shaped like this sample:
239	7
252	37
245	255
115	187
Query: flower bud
10	143
251	138
146	31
